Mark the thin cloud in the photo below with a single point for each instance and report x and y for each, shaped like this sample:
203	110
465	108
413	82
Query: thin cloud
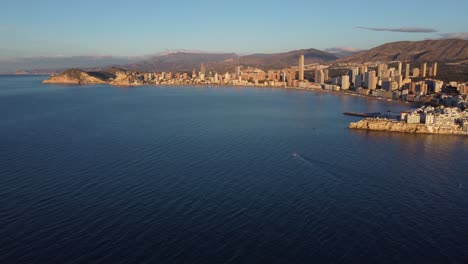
456	35
402	29
342	49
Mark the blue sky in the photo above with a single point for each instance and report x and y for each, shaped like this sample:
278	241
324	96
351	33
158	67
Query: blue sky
131	28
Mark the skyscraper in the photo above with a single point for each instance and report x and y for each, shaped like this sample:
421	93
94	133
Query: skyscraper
202	69
320	77
358	81
400	68
370	80
301	68
407	74
238	71
423	69
373	82
382	70
325	75
434	68
363	70
345	82
352	74
416	72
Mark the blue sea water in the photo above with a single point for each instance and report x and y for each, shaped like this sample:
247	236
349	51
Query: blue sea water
94	174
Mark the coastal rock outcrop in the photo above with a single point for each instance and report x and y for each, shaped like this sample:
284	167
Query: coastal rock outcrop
74	76
377	124
124	79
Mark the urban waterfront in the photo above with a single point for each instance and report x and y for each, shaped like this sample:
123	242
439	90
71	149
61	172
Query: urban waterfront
208	175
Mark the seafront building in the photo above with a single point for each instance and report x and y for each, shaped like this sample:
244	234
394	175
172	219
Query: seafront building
446	118
301	68
376	80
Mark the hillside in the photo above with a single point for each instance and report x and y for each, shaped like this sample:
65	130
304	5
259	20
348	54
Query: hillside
181	61
447	50
75	76
282	60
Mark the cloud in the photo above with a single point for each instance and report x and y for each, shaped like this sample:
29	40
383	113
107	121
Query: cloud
457	35
342	49
402	29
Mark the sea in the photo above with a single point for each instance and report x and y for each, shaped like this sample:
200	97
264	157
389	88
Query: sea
166	174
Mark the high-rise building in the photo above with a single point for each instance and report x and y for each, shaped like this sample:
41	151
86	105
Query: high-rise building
399	80
194	75
390	85
370	80
227	76
345	82
352	74
320	77
423	69
358	82
325	75
416	72
381	70
363	70
301	68
291	76
407	74
283	76
400	68
373	82
434	68
238	71
202	69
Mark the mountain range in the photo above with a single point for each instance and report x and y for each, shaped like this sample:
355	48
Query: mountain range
182	61
443	50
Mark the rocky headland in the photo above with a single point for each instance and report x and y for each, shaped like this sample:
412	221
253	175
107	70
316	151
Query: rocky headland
112	76
379	124
74	76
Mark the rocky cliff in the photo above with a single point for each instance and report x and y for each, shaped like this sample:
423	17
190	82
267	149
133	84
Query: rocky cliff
399	126
74	76
124	79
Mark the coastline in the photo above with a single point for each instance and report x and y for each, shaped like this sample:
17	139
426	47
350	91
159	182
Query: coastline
340	93
391	125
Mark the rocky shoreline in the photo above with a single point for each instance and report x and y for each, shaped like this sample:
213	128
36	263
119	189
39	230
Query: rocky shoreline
390	125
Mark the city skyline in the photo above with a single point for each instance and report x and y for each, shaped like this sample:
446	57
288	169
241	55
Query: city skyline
48	28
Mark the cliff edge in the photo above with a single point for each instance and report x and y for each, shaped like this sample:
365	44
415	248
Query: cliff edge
124	79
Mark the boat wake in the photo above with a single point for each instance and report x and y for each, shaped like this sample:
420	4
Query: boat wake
304	159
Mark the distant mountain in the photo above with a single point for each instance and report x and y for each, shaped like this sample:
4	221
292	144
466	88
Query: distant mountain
282	60
53	64
182	61
447	50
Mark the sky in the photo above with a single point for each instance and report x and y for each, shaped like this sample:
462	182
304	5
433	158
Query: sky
136	28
